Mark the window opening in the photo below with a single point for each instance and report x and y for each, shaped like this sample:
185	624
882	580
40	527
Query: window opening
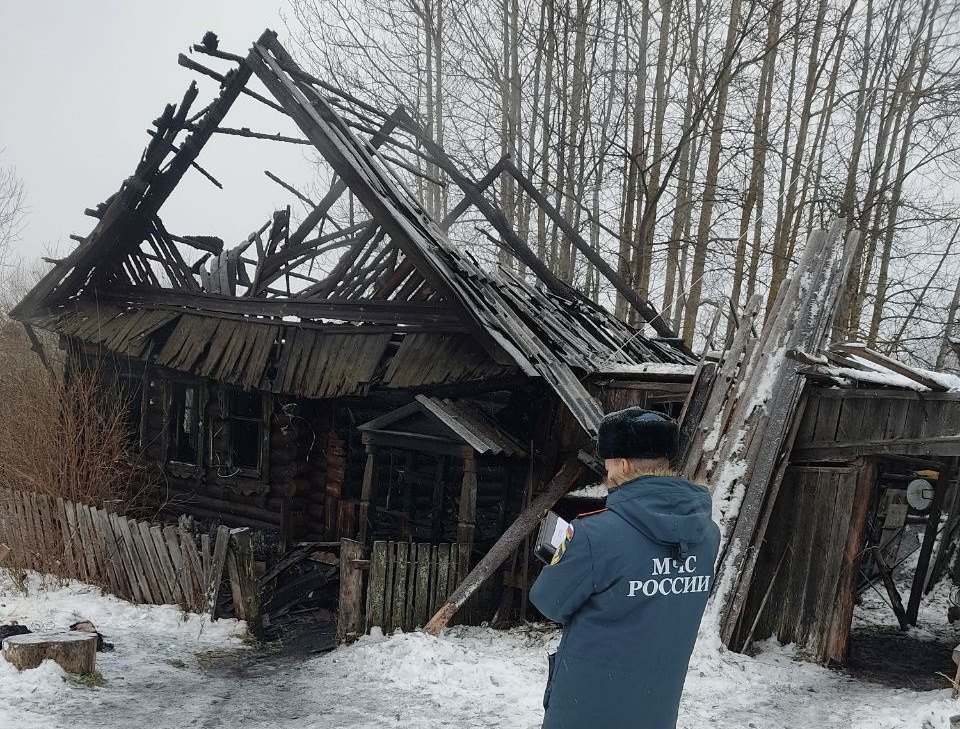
184	423
246	429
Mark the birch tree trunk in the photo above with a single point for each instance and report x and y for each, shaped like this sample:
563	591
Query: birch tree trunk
710	183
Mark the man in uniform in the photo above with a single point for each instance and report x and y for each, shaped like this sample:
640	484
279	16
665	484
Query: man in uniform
629	585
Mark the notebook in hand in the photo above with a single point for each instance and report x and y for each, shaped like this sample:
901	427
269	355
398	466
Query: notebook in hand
552	532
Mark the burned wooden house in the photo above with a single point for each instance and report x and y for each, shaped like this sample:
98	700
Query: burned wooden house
355	373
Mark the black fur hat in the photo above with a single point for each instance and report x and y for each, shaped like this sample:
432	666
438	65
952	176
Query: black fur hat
637	433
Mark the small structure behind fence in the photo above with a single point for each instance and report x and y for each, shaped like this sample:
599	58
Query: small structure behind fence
136	560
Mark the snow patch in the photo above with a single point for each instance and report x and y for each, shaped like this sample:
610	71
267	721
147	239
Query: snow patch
468	677
591	491
648	368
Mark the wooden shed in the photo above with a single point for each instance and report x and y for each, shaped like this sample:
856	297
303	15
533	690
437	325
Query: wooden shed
868	428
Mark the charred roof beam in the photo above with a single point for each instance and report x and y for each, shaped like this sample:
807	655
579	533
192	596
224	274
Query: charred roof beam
380	312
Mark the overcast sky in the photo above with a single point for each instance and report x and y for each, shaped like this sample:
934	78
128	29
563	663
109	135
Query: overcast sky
81	83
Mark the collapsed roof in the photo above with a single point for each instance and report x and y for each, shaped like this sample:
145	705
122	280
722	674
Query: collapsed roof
401	306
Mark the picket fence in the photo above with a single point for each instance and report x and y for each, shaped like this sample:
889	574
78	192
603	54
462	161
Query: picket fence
139	561
409	582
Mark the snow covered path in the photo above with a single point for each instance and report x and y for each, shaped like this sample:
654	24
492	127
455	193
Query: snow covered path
169	672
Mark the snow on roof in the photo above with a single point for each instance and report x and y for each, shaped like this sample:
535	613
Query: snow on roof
592	491
858	363
649	368
888	379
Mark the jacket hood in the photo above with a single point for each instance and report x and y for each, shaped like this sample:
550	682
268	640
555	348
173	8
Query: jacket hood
667	509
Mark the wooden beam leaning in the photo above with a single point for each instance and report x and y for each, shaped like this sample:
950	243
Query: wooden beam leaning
333	194
374	191
525	523
947	475
470	189
824	267
461	207
277	264
290	188
324	288
192	65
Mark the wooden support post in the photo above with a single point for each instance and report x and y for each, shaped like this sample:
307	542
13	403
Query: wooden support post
350	610
436	513
243	581
367	492
524	554
468	500
890	586
509	541
929	537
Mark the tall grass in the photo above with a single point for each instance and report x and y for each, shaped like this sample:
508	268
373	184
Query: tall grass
62	431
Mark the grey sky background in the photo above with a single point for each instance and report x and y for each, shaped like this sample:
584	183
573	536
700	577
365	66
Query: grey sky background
82	81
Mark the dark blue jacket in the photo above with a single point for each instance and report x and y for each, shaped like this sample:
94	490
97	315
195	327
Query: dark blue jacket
630	589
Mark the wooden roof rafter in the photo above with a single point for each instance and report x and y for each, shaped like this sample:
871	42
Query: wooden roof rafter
389	267
417	233
141	196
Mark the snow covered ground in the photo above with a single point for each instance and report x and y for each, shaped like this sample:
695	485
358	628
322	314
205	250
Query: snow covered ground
171	670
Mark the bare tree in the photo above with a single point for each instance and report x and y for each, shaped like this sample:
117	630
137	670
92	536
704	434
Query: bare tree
691	143
12	209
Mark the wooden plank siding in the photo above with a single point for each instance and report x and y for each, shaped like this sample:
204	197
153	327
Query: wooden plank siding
408	582
839	425
802	591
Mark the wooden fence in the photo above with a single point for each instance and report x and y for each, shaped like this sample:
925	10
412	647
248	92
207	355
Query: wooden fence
136	560
409	582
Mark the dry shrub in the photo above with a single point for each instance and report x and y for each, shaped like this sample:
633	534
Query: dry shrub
62	432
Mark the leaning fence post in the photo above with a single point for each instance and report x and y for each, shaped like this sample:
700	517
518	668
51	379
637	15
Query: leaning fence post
243	581
215	577
350	611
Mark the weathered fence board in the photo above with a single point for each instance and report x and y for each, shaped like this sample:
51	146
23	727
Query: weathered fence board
408	582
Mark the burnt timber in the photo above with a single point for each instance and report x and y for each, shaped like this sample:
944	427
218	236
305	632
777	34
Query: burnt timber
361	372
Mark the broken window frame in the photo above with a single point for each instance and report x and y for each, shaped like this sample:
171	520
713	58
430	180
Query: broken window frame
261	420
132	387
221	457
169	385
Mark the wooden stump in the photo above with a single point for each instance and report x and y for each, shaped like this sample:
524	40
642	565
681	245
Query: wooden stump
75	652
